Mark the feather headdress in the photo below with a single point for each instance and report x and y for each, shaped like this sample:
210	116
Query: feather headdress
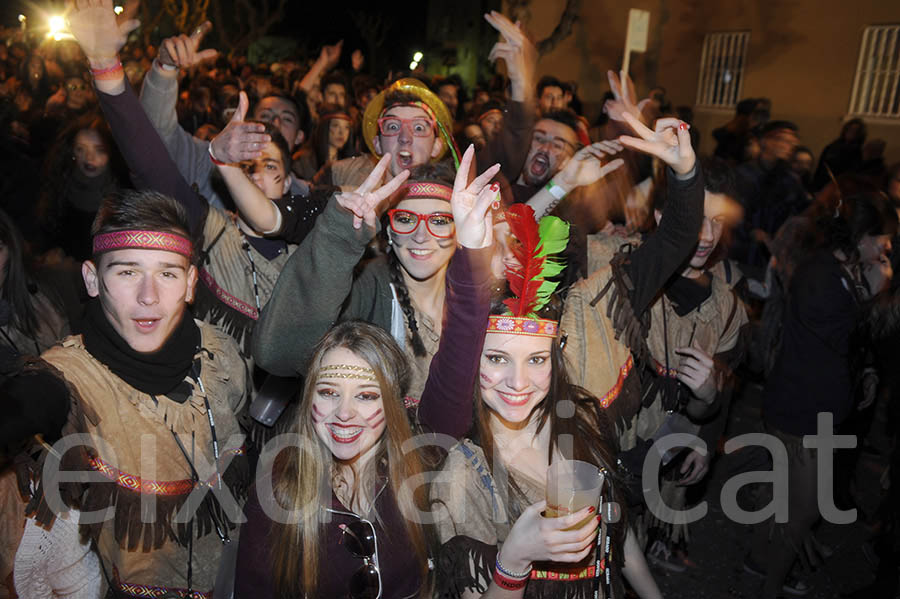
535	252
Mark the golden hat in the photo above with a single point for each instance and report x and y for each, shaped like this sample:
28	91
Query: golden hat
415	88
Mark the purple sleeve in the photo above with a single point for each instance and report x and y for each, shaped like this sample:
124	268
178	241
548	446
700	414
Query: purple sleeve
253	573
145	153
446	405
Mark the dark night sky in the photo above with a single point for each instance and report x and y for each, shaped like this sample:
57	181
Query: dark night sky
318	22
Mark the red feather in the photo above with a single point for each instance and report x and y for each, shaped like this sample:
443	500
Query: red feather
524	281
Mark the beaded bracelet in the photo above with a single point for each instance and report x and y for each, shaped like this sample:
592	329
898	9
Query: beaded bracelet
512	575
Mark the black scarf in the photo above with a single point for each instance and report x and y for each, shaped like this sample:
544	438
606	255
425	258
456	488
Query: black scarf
156	373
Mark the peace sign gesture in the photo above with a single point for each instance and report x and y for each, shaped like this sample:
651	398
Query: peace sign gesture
671	142
470	202
364	201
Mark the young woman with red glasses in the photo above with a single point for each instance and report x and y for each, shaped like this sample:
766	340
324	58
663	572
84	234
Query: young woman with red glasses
403	292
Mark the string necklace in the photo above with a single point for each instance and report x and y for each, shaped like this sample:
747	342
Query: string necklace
246	247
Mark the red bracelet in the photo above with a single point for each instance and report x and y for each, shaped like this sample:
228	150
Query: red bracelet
510	584
107	70
215	160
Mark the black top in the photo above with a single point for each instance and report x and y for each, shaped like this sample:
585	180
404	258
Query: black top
812	371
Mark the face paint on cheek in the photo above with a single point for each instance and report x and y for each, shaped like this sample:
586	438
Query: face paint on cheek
317	415
375	419
278	178
488	380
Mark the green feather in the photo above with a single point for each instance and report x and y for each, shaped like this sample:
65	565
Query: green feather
554	234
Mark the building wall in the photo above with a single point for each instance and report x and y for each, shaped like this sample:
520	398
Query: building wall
802	55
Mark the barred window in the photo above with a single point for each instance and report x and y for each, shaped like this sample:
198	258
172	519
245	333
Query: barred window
722	69
876	88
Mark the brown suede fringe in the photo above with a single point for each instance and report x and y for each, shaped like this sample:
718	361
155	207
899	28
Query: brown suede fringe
133	529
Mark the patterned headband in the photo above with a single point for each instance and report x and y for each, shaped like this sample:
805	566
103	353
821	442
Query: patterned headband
428	190
522	325
143	240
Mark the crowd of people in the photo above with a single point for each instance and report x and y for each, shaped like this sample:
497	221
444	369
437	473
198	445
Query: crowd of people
295	332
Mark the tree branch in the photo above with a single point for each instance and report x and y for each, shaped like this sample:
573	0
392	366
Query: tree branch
563	28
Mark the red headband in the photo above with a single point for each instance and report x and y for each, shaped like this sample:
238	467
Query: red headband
427	189
143	240
490	112
337	115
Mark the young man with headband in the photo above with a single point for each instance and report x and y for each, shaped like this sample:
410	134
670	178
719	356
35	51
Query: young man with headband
142	405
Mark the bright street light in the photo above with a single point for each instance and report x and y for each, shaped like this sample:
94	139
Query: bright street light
118	10
57	24
417	57
22	18
413	65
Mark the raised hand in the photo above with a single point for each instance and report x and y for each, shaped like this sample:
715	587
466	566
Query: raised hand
470	203
698	371
625	98
363	202
587	167
671	142
239	141
181	50
534	538
519	53
331	55
97	29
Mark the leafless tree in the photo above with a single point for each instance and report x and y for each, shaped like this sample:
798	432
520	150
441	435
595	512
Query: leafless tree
520	10
240	22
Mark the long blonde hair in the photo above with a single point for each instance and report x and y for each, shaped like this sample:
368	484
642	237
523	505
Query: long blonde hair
299	545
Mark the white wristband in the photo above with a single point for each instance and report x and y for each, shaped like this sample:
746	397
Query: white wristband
555	190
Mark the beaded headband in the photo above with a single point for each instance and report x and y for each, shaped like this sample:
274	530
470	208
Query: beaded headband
519	325
143	240
426	189
346	371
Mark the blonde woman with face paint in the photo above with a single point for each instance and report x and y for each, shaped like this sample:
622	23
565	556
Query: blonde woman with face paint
337	516
403	292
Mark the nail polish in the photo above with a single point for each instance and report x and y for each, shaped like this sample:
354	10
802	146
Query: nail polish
683	126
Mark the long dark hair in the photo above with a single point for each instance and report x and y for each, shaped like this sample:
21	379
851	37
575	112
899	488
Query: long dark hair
867	213
327	113
18	288
591	430
59	165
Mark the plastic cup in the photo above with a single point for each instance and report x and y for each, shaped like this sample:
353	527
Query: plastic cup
572	485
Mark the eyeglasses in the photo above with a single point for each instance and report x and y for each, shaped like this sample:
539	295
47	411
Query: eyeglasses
389	126
360	540
558	144
439	224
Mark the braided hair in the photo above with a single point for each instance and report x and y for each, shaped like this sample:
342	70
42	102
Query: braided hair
406	304
444	173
